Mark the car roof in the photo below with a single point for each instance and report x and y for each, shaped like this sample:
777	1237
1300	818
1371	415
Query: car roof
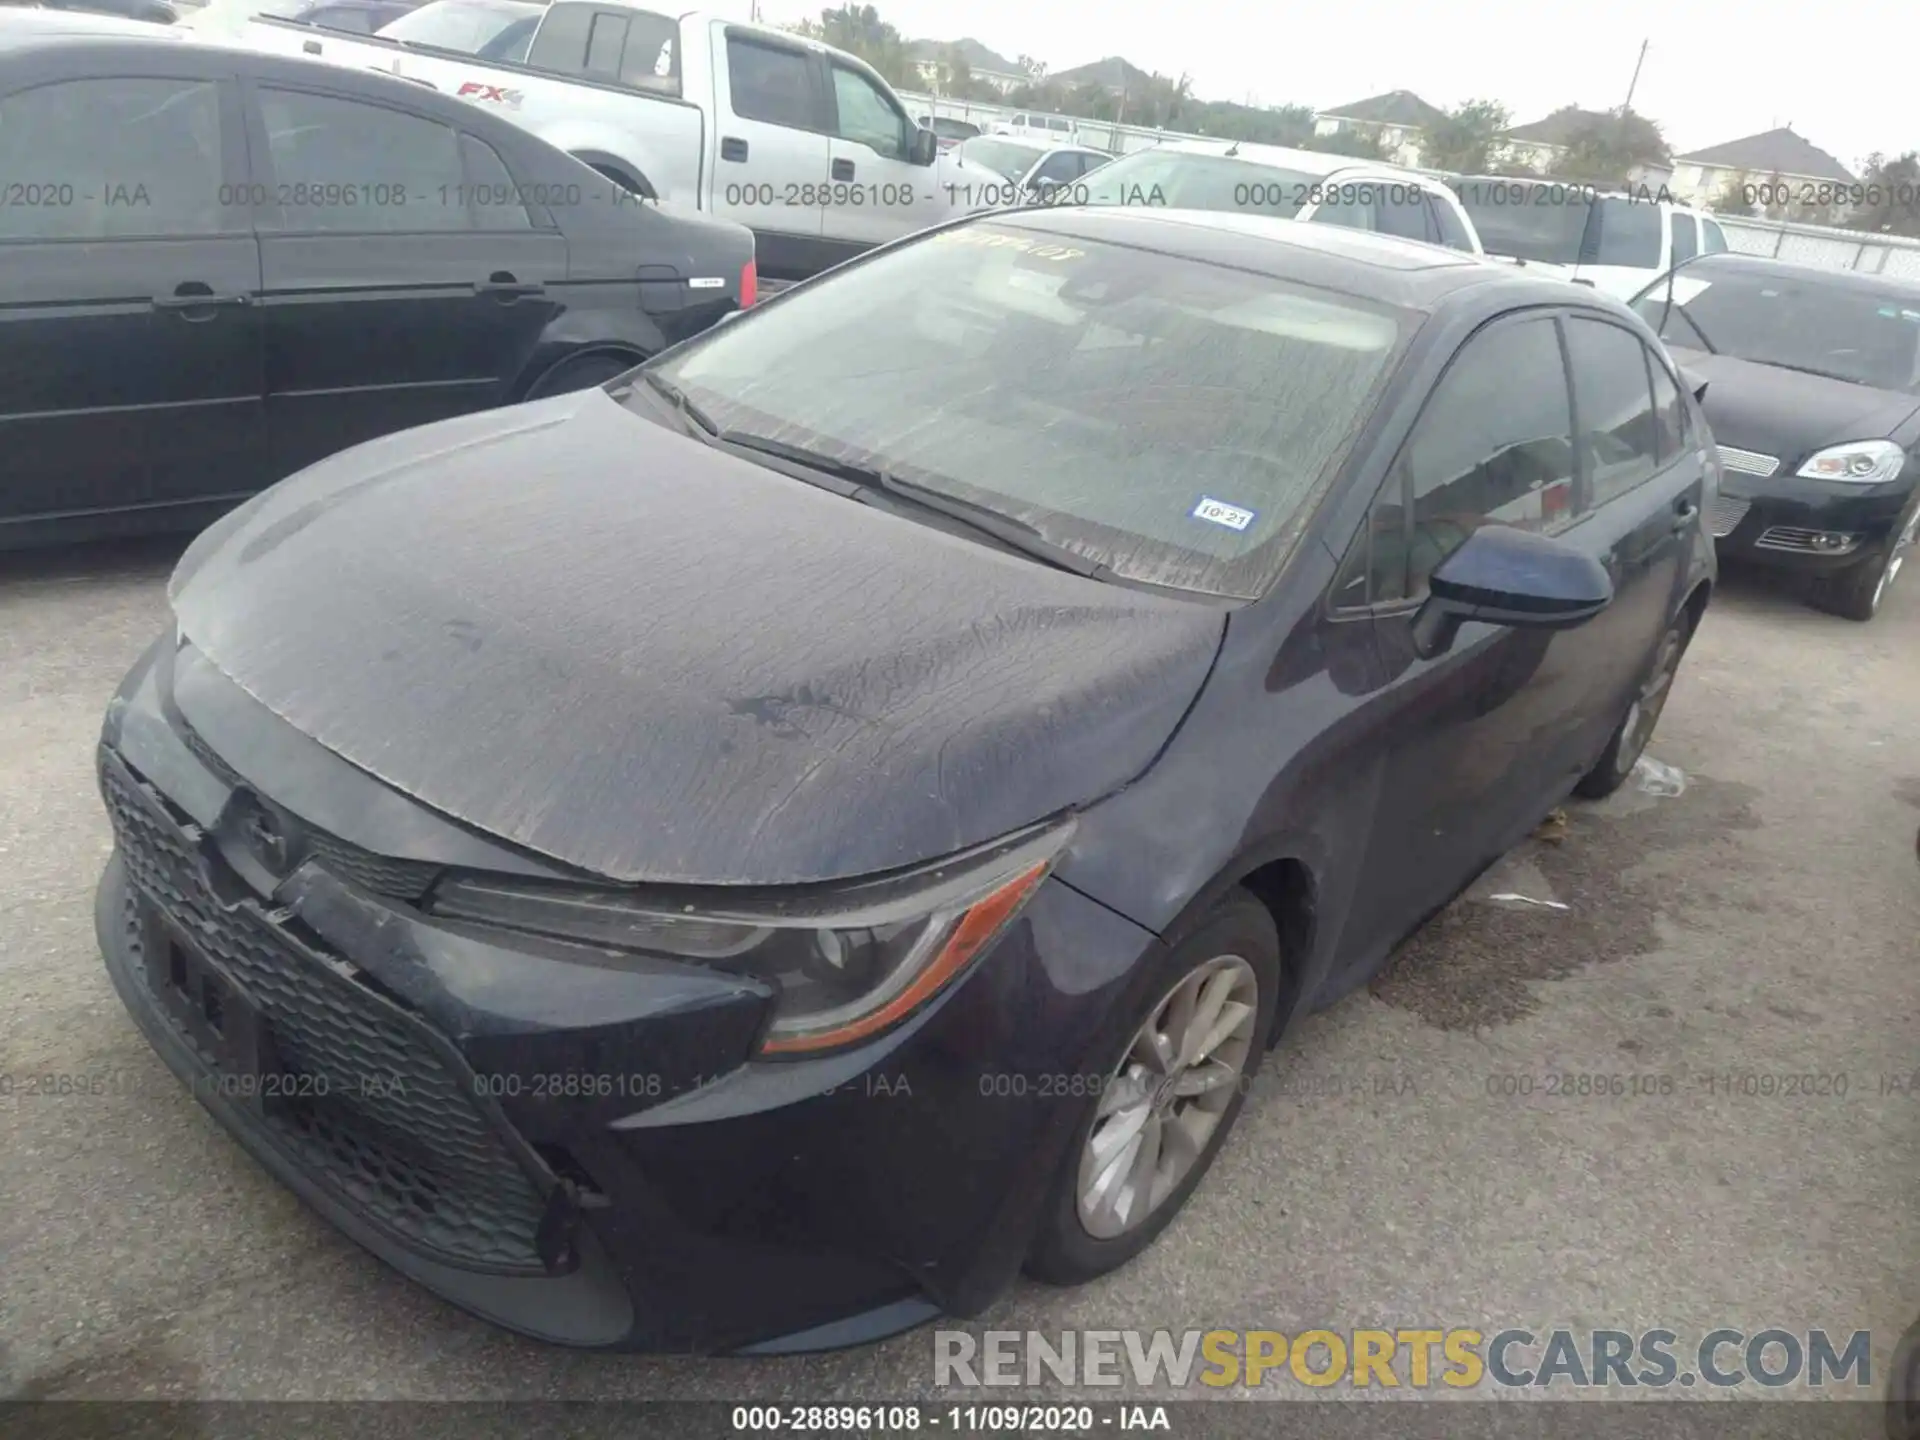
1307	162
22	26
1849	280
1408	274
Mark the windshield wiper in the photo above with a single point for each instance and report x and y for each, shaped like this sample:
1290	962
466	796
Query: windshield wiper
1823	374
1014	534
677	398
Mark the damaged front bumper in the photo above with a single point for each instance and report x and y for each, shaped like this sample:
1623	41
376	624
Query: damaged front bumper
582	1152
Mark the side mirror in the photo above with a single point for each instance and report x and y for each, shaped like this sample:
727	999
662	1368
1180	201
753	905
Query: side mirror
923	147
1694	383
1504	576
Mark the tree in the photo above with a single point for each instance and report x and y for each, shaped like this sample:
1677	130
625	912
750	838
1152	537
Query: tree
1735	197
1604	149
1463	142
1034	70
1892	195
859	30
956	75
1346	140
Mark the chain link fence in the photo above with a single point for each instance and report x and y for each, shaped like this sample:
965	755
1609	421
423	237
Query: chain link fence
1825	246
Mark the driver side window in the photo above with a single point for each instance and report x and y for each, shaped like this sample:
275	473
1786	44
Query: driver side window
1494	445
866	116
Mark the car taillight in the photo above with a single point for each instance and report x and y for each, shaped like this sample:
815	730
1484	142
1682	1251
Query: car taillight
749	284
1556	501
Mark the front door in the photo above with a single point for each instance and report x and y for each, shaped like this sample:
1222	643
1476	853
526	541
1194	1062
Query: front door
403	282
130	346
876	192
1476	736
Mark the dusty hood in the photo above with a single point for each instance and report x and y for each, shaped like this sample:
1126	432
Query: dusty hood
1788	413
625	650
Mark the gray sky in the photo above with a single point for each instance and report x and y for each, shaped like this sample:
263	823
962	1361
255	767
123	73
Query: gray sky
1715	70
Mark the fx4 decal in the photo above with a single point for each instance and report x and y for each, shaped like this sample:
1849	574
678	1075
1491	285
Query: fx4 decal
489	94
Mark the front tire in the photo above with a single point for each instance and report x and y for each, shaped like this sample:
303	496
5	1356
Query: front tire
1629	740
1178	1072
1857	592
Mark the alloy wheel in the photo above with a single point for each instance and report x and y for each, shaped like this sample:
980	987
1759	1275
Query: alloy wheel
1896	557
1168	1095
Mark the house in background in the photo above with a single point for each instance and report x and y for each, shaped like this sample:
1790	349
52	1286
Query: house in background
929	60
1767	161
1537	145
1113	74
1397	119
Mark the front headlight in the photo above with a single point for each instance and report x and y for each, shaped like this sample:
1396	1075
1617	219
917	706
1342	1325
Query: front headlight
848	964
1861	462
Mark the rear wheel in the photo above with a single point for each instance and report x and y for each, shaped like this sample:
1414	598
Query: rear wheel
1629	741
1856	593
581	373
1179	1077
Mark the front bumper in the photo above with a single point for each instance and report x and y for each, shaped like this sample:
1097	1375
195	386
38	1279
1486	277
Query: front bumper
1790	523
588	1156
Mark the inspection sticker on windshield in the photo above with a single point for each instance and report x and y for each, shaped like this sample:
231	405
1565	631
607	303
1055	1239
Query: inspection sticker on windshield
1218	512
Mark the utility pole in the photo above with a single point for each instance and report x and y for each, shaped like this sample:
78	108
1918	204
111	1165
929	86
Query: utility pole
1634	83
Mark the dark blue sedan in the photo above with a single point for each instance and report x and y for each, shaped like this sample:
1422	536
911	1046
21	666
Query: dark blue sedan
752	856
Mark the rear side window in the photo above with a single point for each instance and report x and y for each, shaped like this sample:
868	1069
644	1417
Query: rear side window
1403	211
494	198
606	38
1614	405
343	166
1493	446
1685	247
774	84
1624	232
61	145
1713	240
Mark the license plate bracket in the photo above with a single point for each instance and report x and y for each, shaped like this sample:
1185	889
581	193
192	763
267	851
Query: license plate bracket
217	1017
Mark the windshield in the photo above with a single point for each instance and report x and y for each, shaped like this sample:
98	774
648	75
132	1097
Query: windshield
1200	182
1169	419
1003	157
1855	333
462	25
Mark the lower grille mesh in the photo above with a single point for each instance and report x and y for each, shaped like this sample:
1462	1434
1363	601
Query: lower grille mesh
379	1118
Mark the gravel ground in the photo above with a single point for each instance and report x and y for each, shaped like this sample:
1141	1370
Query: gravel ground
1402	1163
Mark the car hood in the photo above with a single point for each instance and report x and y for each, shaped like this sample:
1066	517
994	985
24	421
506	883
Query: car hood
1788	413
633	653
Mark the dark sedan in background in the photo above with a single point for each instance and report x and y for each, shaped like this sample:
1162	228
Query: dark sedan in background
753	855
1813	391
217	267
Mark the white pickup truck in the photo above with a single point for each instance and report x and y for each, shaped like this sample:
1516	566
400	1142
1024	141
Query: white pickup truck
805	145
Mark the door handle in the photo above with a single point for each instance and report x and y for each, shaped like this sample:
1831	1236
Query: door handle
733	148
195	296
843	169
1685	513
505	287
311	47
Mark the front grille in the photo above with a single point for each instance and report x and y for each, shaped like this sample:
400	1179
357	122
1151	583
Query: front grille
381	1120
1748	462
1800	541
1727	513
407	880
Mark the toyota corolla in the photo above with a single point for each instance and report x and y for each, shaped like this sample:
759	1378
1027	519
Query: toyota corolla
752	856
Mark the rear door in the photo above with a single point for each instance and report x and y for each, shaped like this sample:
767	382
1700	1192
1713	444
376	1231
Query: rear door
1642	484
1479	737
403	282
130	346
773	115
877	192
